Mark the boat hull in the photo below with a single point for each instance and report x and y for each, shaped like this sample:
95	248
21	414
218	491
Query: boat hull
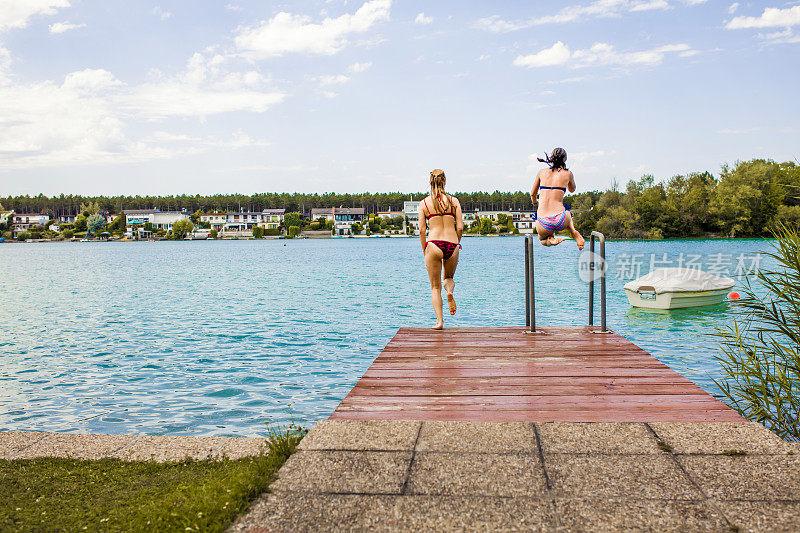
675	300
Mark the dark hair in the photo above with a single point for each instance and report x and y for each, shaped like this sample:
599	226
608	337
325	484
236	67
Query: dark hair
556	160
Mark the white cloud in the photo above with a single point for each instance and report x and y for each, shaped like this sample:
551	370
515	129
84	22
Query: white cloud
733	7
161	14
232	7
599	54
90	80
597	9
204	88
61	27
650	6
558	54
15	13
483	57
333	79
86	119
360	67
422	19
781	37
286	33
772	17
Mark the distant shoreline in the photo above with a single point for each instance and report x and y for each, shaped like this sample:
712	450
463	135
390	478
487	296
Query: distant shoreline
374	237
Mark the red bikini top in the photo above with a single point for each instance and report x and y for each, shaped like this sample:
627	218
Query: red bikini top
431	214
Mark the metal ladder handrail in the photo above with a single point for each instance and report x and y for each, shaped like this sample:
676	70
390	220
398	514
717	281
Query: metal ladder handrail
602	240
530	294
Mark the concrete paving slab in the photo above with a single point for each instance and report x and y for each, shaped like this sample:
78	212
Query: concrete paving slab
482	437
12	442
344	472
639	515
300	512
718	437
763	516
600	437
78	446
476	474
474	513
618	476
289	511
361	435
749	477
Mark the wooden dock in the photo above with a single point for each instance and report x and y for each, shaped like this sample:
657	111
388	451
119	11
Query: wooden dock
506	374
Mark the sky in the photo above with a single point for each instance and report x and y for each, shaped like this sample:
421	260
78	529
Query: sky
186	97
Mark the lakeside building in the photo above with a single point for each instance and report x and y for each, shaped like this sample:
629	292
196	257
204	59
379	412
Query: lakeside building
524	221
215	220
67	219
411	213
242	221
135	219
390	214
272	218
21	222
342	217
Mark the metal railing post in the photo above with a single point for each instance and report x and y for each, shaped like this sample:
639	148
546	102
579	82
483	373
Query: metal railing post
602	240
527	283
532	293
591	279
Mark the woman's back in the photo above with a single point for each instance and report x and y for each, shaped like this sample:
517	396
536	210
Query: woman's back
553	184
441	222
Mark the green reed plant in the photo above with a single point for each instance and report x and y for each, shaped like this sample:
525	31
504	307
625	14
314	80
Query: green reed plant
760	350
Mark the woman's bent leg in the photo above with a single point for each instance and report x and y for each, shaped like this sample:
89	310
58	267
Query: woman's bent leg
449	283
575	233
433	263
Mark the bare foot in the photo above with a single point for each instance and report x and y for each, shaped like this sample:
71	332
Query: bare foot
451	301
580	242
439	325
552	241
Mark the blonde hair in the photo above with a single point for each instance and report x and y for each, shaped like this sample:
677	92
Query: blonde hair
438	181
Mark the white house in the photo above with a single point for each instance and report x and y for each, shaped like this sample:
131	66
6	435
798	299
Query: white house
343	217
271	218
24	221
411	212
160	220
215	220
241	221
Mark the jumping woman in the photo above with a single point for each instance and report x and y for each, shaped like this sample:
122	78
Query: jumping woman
548	192
441	214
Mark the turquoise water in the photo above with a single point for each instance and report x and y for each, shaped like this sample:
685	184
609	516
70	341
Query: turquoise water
220	337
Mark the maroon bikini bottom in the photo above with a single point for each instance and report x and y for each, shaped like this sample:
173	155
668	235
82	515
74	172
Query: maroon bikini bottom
446	247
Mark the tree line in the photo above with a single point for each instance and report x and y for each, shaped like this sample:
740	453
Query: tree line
744	200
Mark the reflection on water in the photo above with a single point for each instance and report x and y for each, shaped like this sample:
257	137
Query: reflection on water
216	337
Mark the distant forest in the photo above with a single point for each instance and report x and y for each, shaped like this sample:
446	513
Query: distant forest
744	200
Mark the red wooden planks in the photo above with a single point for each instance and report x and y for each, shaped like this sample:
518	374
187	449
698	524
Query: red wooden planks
506	374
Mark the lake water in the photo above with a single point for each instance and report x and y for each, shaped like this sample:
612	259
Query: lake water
221	337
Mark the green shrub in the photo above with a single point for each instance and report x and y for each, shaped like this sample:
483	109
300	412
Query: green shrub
761	350
258	232
294	231
272	231
24	236
314	226
67	233
213	233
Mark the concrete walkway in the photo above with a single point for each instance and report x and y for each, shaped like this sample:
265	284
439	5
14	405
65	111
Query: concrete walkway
30	444
406	475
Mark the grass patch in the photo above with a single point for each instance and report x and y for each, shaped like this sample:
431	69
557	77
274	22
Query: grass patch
53	494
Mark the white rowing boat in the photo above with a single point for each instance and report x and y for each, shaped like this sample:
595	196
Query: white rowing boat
676	288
